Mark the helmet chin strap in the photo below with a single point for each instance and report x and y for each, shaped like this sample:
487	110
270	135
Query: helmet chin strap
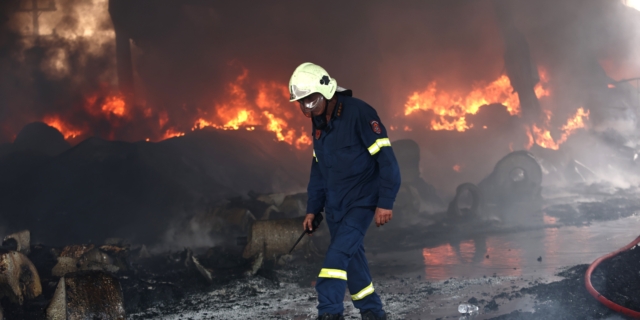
320	121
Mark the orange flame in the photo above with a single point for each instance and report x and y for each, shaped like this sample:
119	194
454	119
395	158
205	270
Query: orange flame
242	118
163	118
457	168
171	133
303	142
67	130
542	136
451	109
278	125
114	105
266	111
111	105
541	89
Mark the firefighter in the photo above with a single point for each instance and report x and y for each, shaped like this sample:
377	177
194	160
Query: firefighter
354	178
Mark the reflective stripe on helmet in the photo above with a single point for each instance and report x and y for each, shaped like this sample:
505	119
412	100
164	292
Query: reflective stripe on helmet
375	147
333	274
363	293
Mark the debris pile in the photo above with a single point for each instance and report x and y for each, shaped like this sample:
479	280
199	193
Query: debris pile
106	281
111	280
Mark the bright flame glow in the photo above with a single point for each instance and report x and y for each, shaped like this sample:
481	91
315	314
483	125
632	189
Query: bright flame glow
303	142
451	109
457	168
278	126
266	111
541	88
114	105
171	132
67	130
542	135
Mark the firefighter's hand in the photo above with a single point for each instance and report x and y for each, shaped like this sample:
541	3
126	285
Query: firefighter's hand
383	216
307	224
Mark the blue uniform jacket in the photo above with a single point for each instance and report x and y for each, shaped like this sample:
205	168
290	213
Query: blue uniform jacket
353	163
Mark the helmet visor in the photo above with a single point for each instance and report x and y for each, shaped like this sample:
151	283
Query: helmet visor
312	105
298	93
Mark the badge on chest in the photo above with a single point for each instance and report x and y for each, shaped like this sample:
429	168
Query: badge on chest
318	134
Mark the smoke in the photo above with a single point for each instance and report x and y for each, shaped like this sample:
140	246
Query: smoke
52	74
185	55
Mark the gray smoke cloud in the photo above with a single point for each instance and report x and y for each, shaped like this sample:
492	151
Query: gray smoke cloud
187	53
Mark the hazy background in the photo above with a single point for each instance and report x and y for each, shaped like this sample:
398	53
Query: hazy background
191	59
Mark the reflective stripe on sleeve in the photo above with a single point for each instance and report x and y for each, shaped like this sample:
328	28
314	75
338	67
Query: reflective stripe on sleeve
375	147
314	155
333	273
363	293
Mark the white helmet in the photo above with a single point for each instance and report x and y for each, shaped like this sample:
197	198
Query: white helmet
309	78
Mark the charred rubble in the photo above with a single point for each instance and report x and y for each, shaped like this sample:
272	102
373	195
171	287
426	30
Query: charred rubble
113	279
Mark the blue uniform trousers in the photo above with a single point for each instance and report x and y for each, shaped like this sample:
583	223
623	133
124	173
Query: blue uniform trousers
346	265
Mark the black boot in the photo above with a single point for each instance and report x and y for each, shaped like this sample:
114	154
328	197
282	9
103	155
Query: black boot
369	315
328	316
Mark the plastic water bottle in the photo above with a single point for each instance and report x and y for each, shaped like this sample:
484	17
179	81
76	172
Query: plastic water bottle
467	308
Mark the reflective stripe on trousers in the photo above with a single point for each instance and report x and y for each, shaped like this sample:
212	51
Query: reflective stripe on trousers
363	293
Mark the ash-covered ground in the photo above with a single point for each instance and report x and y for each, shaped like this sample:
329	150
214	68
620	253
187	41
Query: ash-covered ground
533	271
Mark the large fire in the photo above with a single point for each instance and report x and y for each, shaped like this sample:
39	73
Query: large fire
266	111
451	108
542	136
259	105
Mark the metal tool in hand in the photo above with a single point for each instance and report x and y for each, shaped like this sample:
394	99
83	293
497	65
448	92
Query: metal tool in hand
317	218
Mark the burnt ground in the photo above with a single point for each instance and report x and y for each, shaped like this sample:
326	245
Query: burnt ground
564	299
403	297
168	286
286	291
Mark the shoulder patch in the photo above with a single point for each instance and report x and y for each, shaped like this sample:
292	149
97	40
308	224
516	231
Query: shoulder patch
318	133
375	126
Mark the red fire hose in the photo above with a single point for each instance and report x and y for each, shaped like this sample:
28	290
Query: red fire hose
610	304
